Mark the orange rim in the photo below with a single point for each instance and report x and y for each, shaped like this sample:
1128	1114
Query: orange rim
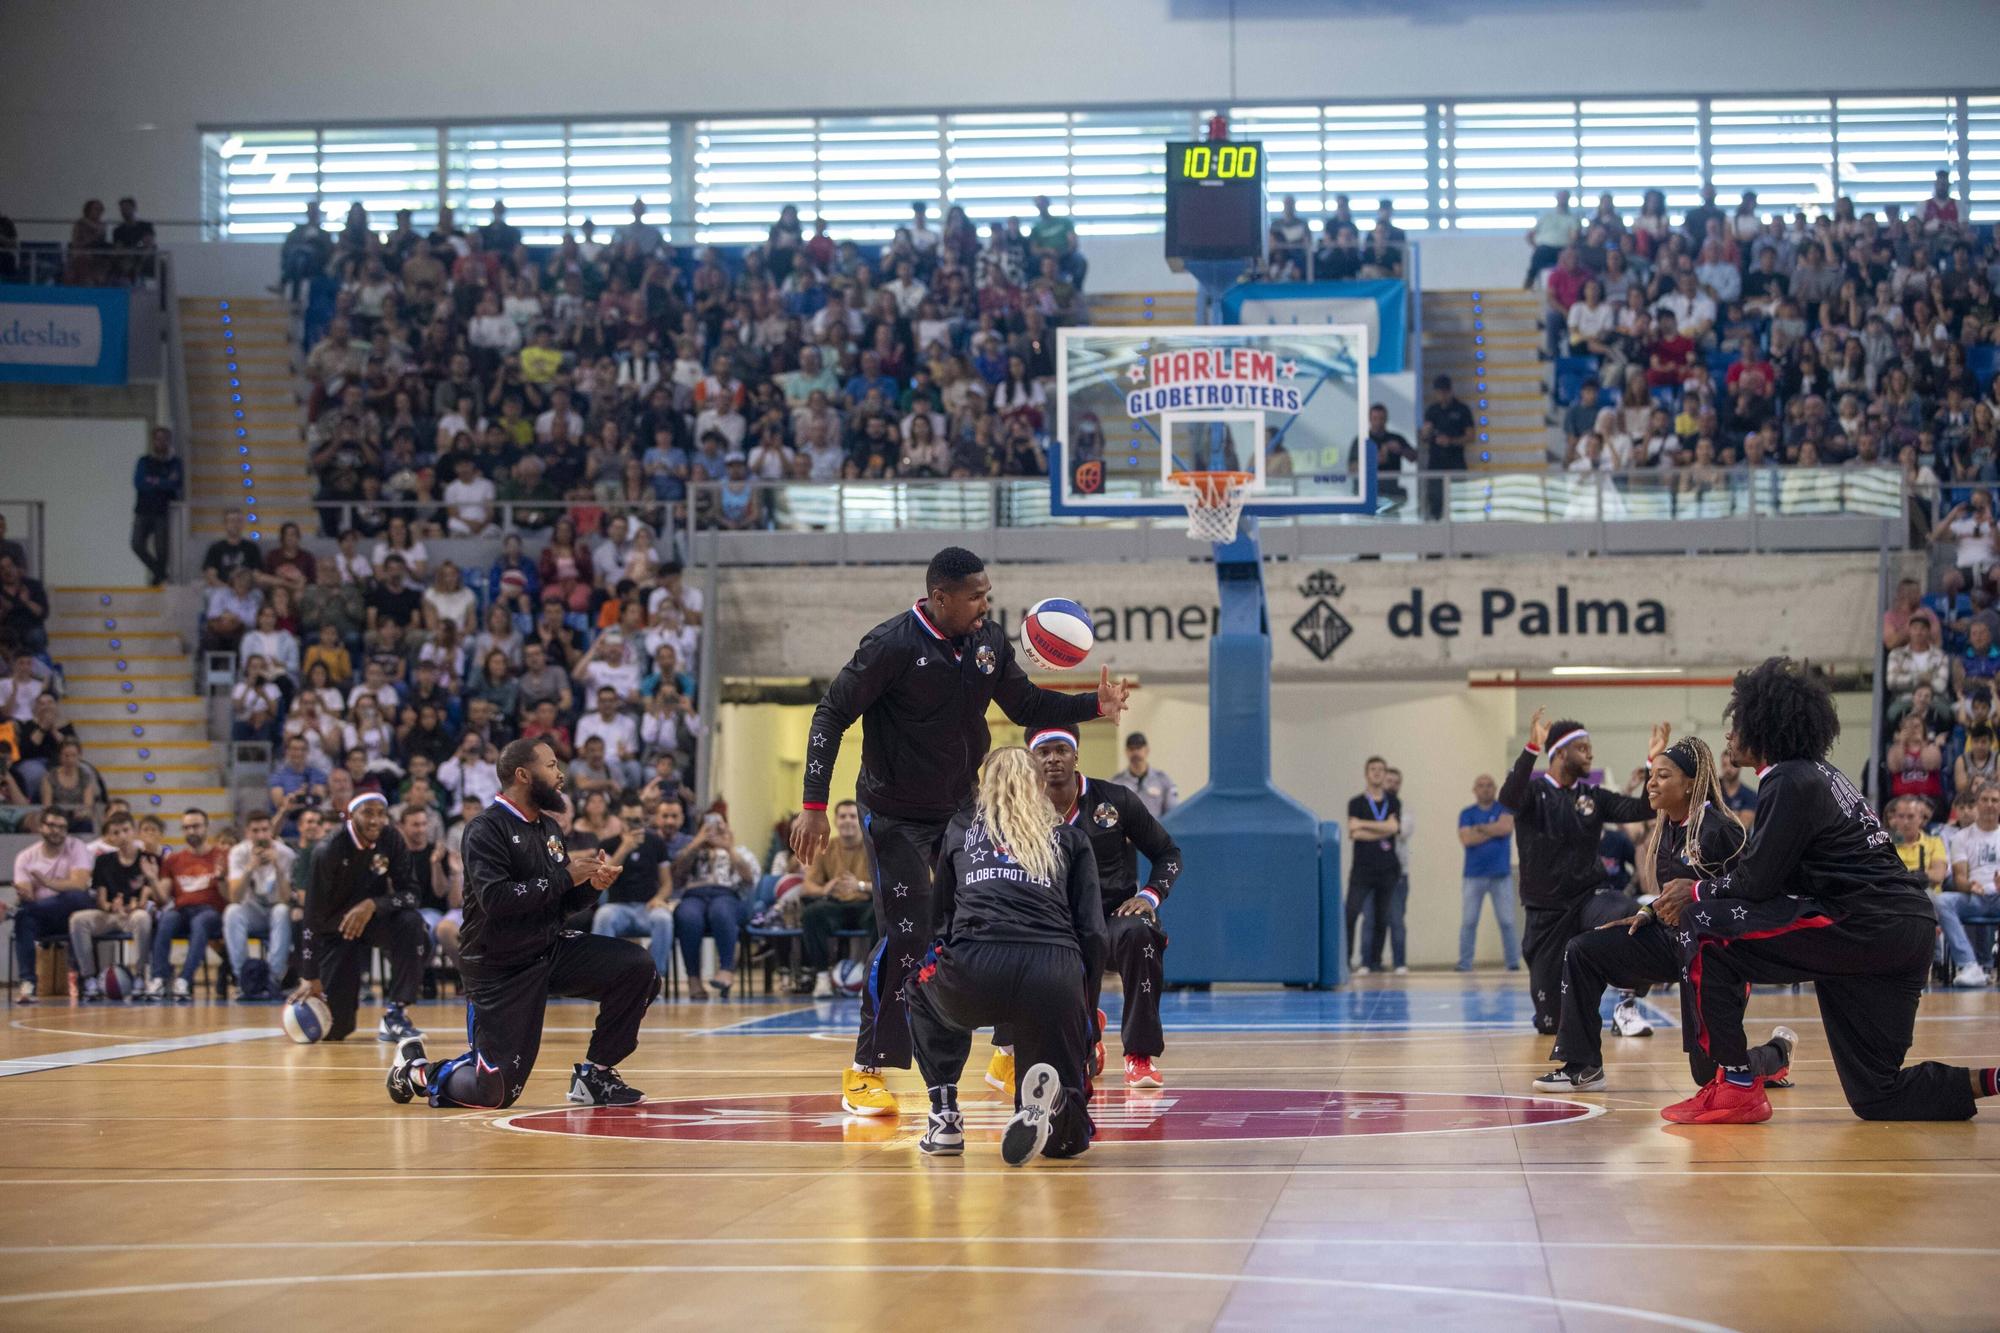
1212	487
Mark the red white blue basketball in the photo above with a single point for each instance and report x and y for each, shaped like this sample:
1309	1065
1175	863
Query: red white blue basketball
1056	634
307	1021
849	976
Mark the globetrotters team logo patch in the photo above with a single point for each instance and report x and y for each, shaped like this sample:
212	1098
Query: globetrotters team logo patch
1104	816
1192	1115
983	659
1584	805
555	846
378	864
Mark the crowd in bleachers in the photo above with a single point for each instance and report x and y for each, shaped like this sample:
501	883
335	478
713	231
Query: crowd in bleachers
1734	337
458	370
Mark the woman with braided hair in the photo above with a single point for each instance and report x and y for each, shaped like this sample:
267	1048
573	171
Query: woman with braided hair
1692	831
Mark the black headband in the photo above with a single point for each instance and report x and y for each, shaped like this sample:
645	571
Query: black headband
1684	759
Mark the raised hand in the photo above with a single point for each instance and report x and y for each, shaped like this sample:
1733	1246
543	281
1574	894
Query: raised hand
1538	728
1111	694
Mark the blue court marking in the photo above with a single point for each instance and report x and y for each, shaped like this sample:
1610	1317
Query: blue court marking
1467	1009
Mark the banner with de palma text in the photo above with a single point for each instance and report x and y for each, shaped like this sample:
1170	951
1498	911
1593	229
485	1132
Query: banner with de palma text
64	335
1375	620
1379	304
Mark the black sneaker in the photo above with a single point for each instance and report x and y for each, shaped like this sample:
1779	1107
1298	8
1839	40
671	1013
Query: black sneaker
1028	1132
592	1085
1572	1078
396	1025
408	1076
945	1136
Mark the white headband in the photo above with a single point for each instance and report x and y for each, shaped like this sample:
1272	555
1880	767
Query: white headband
1578	735
364	798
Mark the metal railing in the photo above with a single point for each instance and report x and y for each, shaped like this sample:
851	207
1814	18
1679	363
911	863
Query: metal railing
1410	503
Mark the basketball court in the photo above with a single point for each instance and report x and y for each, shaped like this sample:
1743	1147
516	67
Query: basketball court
1375	1152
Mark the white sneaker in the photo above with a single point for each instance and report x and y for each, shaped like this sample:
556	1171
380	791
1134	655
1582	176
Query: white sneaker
1363	971
93	989
156	988
1972	974
1627	1021
183	993
1028	1132
823	987
25	993
1402	971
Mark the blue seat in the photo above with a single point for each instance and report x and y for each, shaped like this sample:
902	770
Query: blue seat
1983	361
1571	373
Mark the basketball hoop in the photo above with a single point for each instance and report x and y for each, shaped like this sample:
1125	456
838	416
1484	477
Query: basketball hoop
1214	502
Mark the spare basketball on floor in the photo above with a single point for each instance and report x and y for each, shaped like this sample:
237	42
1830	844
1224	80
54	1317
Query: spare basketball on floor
849	976
118	983
307	1020
1056	634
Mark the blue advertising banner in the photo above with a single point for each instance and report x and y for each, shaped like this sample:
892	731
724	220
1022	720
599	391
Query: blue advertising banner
63	335
1382	304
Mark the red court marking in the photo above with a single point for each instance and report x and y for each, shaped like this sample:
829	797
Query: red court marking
1172	1115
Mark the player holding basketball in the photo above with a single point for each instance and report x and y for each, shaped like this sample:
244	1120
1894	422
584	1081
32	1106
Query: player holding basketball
1693	829
1864	940
520	882
1022	947
1558	818
1119	827
363	895
920	682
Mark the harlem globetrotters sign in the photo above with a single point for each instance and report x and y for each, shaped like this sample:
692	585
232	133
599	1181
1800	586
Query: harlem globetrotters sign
1359	620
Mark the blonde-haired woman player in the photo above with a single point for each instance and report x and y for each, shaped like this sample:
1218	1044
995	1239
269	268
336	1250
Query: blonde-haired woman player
1022	944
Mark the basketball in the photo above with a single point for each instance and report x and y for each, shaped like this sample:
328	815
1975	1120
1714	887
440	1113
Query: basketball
849	976
1056	634
307	1021
118	982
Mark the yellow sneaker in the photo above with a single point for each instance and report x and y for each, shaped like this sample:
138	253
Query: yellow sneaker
865	1094
1000	1071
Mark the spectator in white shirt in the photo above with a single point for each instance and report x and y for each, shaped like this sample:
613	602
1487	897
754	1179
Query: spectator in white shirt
278	647
620	734
1693	311
908	291
260	895
609	663
375	685
491	331
469	774
1554	230
609	555
468	499
671	585
20	690
559	406
448	599
1920	661
669	629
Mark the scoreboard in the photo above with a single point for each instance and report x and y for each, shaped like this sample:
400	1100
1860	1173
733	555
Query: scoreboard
1215	200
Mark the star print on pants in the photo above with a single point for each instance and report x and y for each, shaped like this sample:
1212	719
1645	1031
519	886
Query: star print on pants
901	890
1145	985
1738	912
905	926
908	961
1148	951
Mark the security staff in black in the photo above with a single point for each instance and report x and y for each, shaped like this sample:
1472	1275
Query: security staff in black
921	683
1119	827
1558	818
1866	947
1022	947
520	882
364	894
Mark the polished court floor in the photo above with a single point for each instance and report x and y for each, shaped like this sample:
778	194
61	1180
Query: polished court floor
1369	1158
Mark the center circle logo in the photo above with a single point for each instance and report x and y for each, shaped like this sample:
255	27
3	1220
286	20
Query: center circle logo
1190	1115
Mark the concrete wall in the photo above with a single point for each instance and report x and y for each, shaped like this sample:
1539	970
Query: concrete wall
81	469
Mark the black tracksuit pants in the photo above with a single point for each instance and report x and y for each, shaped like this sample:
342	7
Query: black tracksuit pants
1599	959
504	1010
1549	931
401	934
1869	975
1137	949
903	853
1039	992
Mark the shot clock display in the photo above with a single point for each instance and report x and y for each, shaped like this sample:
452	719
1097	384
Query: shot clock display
1215	200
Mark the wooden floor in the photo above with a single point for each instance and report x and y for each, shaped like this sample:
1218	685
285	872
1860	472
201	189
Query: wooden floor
227	1178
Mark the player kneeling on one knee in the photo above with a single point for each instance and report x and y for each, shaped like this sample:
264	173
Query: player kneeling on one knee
1023	945
520	883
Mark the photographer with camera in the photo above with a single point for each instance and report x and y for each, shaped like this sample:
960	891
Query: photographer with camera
718	875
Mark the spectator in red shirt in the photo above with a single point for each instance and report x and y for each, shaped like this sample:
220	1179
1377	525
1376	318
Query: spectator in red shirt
1671	357
1941	210
193	878
1565	289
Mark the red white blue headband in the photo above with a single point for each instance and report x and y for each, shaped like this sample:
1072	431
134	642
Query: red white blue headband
1578	735
1049	736
364	798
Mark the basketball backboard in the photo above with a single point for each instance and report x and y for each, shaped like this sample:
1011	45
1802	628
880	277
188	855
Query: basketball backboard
1285	403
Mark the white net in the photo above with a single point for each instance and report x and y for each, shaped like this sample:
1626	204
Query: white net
1214	502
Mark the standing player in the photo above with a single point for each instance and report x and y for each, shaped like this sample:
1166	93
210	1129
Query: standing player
1693	829
1558	819
1023	947
1866	948
1119	826
921	682
363	895
520	883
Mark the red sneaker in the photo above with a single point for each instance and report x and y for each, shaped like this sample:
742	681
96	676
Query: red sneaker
1722	1103
1097	1050
1139	1072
